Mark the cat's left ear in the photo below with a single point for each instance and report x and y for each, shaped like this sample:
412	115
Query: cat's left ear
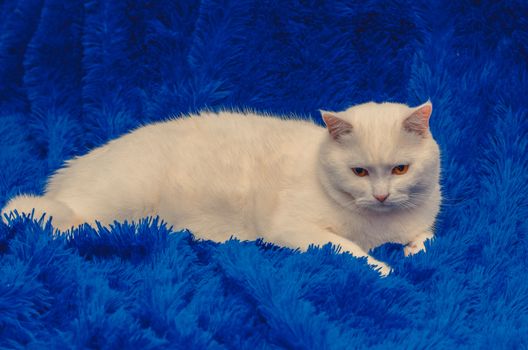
336	126
418	121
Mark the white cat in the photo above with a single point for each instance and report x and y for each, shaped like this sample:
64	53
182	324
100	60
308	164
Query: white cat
370	177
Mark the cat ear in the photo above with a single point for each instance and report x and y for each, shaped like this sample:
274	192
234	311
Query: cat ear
336	126
418	121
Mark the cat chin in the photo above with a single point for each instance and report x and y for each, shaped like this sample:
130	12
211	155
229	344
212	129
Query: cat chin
381	208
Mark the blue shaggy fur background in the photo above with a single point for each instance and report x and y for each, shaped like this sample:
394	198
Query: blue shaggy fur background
74	75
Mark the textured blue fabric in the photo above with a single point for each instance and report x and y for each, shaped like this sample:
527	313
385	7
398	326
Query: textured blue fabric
74	75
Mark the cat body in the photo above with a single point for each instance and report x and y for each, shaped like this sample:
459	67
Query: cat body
288	181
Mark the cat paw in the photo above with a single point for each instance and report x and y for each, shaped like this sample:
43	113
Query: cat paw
413	248
383	269
62	217
417	245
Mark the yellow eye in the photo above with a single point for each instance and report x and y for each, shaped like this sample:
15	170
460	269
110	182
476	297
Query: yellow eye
360	171
400	169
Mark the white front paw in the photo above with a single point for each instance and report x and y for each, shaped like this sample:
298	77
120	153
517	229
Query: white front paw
417	245
413	248
382	268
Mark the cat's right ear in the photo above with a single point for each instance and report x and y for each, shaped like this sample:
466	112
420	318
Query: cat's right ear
336	126
418	121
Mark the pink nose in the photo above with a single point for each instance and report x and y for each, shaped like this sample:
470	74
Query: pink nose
381	197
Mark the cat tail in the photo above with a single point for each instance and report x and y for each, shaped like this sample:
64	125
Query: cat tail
62	216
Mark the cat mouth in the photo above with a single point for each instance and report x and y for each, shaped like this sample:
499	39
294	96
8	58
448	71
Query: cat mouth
390	206
380	207
384	207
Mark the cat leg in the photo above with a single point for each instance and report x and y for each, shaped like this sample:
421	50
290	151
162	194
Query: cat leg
304	238
62	216
417	244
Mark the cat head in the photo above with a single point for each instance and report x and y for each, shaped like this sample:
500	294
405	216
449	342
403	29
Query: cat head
380	157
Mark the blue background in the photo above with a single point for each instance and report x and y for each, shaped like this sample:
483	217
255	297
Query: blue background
74	75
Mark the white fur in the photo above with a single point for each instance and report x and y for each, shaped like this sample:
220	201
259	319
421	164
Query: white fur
251	176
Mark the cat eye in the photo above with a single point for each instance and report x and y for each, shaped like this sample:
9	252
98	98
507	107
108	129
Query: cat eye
360	171
400	169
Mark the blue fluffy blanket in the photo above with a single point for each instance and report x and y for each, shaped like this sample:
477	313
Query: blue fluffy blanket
74	75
